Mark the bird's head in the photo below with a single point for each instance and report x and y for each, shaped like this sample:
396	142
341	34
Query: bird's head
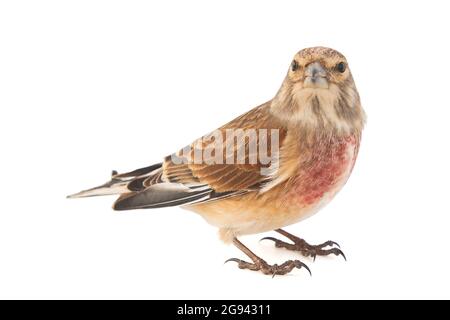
318	68
319	91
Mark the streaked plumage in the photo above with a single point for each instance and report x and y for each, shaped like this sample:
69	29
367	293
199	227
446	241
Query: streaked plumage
318	115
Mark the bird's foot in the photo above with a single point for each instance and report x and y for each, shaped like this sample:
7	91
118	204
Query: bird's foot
307	249
273	270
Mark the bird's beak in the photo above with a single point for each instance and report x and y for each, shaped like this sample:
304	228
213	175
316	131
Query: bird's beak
315	76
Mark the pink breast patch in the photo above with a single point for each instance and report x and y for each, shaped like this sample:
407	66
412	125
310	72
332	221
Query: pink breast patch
328	165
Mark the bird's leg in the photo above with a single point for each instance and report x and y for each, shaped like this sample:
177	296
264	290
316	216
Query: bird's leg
305	248
261	265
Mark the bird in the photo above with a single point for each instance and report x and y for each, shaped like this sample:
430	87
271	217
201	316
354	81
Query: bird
271	167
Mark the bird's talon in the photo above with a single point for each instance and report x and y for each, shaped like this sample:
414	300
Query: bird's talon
301	264
305	248
269	238
273	270
231	259
335	244
339	252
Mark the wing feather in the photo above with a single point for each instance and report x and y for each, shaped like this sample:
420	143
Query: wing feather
187	182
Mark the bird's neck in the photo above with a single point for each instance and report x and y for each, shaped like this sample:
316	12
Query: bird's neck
336	111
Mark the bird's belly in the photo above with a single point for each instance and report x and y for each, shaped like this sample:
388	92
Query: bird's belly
249	215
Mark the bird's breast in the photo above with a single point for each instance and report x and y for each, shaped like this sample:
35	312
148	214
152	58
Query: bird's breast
324	170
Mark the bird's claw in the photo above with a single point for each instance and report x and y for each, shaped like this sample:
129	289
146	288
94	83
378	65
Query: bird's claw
273	270
308	250
329	243
269	238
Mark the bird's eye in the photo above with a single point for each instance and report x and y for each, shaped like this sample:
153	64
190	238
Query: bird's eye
341	67
294	65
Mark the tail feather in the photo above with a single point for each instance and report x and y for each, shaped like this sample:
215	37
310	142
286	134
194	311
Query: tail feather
114	186
145	188
118	184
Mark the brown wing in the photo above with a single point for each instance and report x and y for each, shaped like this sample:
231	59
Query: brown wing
185	178
241	167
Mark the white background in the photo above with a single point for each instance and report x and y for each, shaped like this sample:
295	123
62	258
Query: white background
91	86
